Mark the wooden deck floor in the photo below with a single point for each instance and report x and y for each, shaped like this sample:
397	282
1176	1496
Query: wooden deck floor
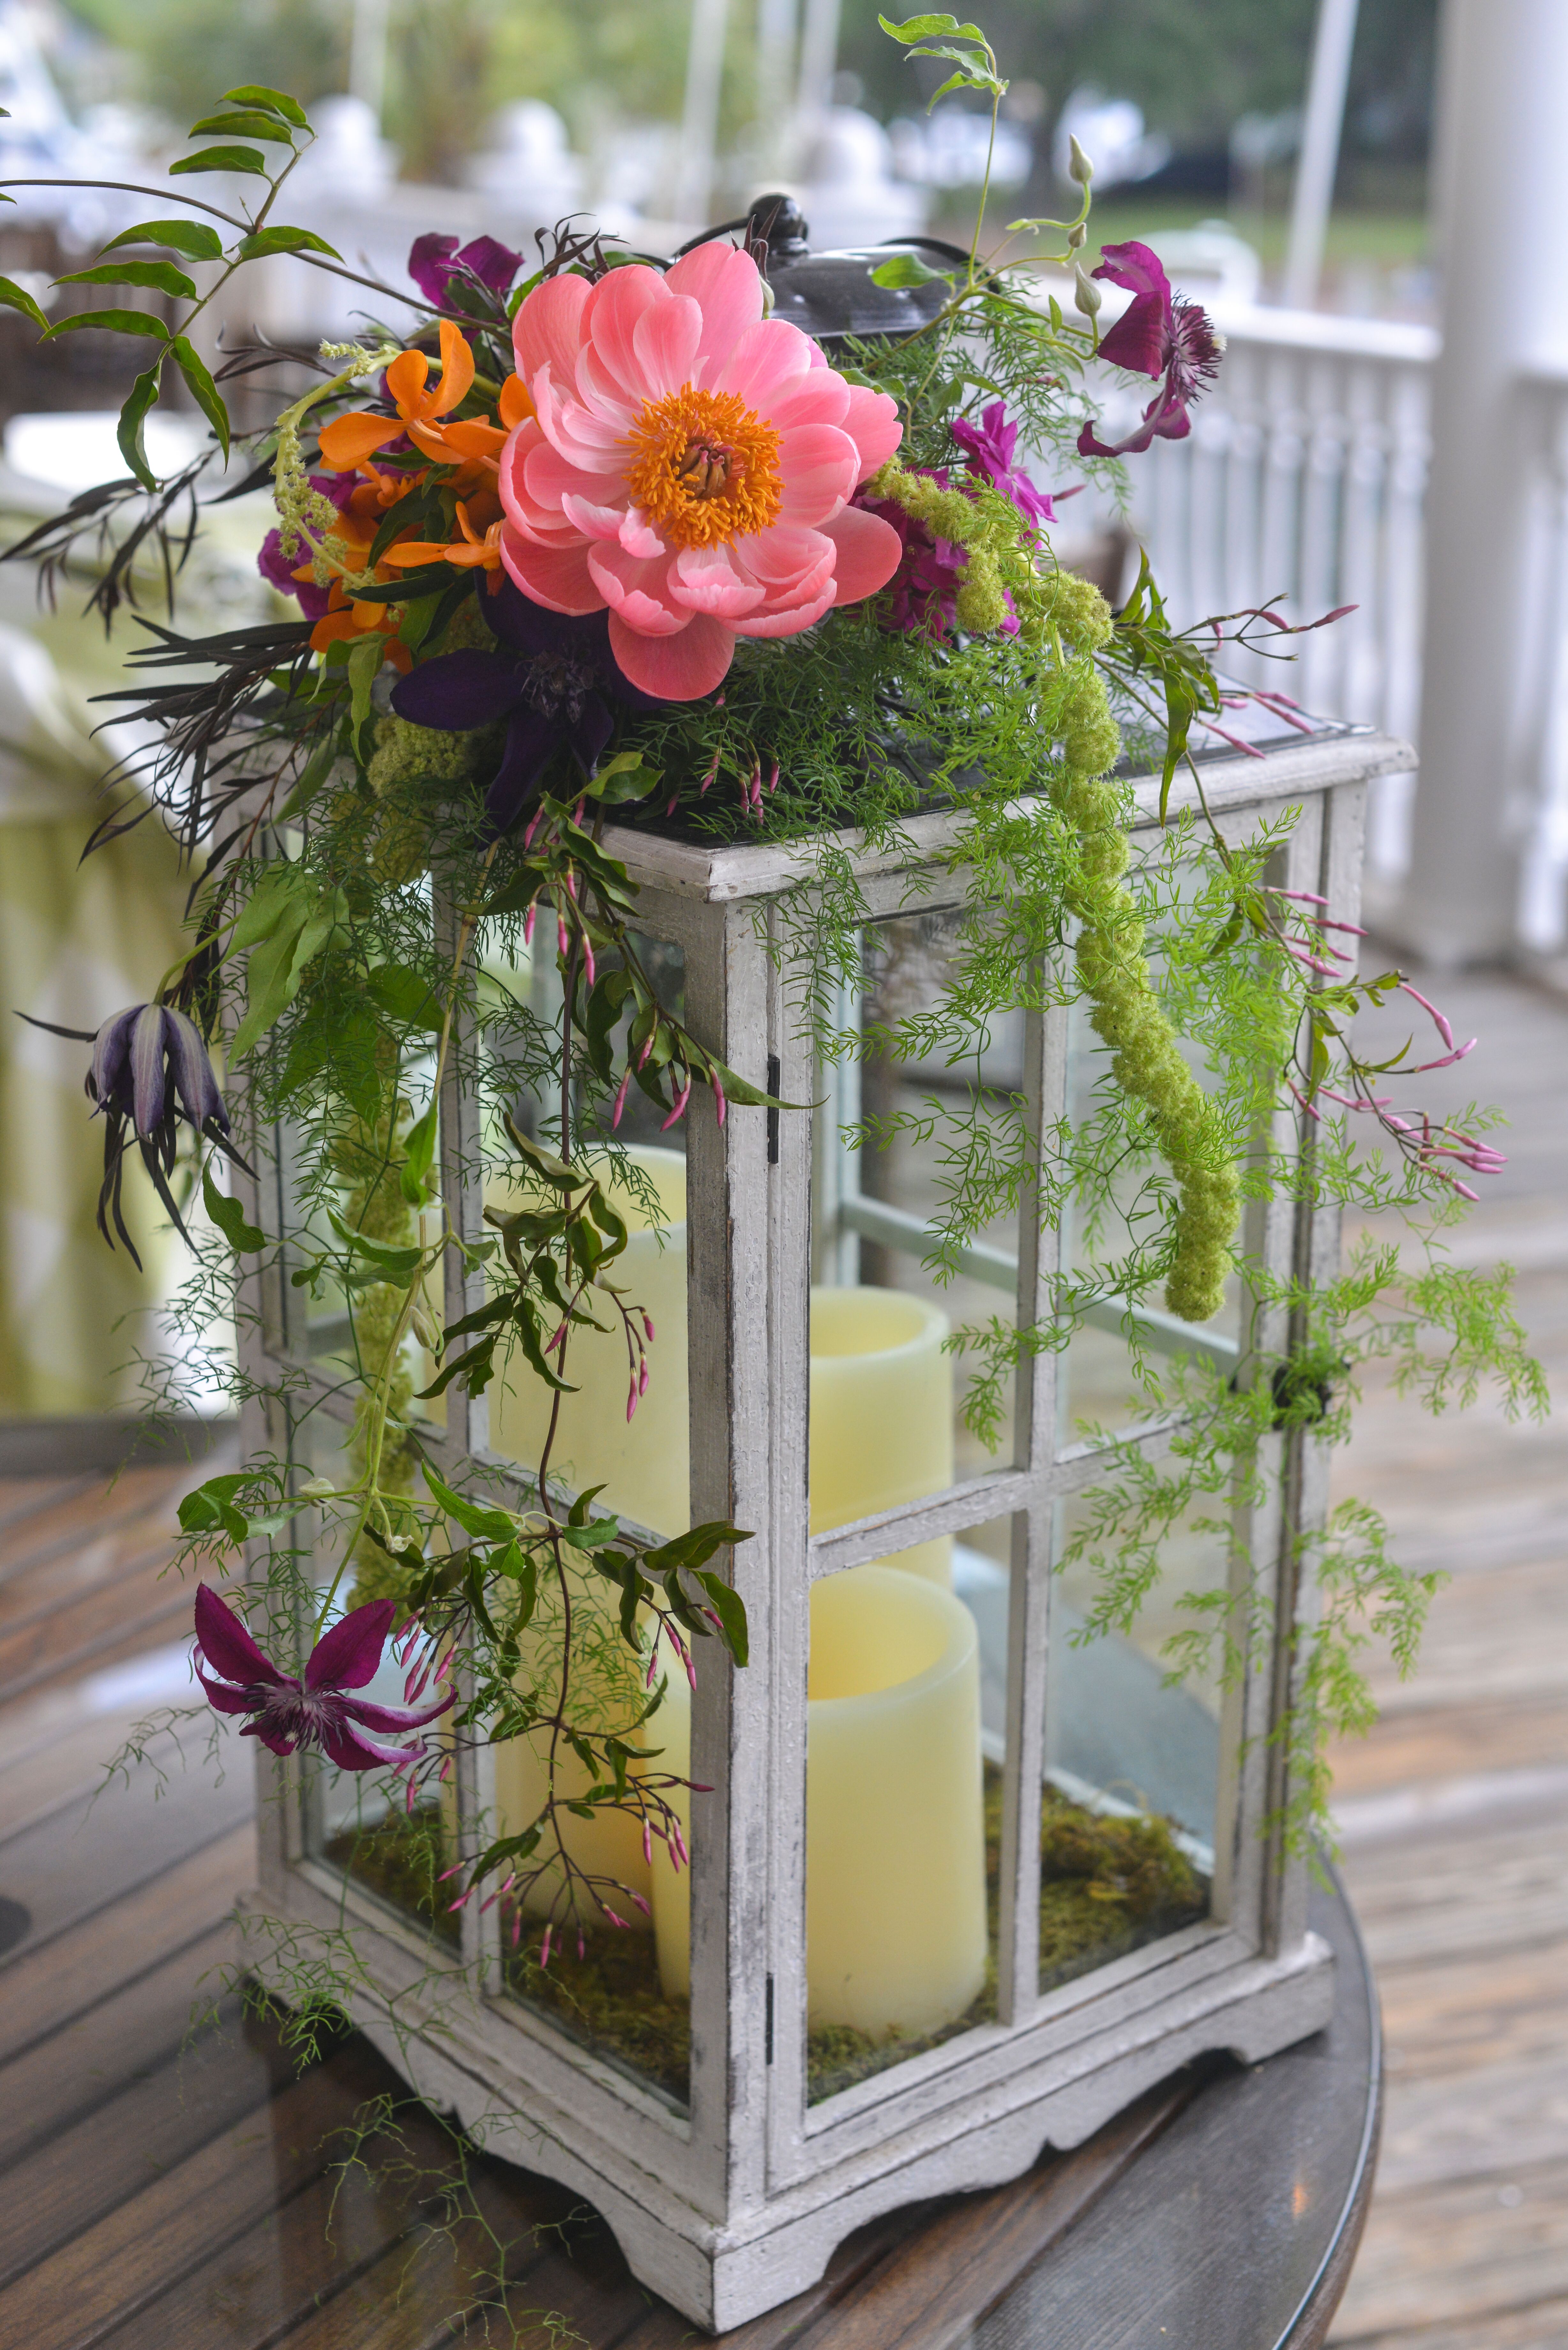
1455	1810
170	2189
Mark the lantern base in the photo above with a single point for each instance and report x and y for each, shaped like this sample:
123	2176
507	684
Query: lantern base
513	2091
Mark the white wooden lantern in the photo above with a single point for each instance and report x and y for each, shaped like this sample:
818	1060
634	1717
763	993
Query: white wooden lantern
911	2028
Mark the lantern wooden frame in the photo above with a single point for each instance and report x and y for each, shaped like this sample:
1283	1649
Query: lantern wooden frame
732	2206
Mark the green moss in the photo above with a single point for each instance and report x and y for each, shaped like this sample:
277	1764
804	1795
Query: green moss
401	1860
1109	1885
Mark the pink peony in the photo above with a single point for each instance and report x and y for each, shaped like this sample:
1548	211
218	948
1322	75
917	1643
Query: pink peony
689	465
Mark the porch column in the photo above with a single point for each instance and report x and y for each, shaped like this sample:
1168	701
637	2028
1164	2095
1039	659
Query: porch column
1501	204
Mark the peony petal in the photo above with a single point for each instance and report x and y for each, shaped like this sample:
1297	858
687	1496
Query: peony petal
593	521
820	467
767	360
674	669
787	623
869	551
226	1643
727	286
556	577
704	578
872	424
347	1656
816	396
664	341
609	322
548	329
783	556
637	589
639	537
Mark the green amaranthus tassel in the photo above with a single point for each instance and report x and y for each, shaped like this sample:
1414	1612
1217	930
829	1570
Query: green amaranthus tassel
1113	959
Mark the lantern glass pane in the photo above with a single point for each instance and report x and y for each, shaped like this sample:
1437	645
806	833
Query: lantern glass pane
1105	1381
893	1402
359	1821
1132	1766
615	1974
639	1456
906	1761
336	1317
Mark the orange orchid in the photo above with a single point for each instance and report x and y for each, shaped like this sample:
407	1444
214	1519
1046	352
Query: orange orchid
475	550
350	442
346	618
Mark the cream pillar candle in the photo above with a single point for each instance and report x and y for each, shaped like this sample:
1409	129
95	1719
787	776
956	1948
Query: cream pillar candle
895	1895
881	1412
642	1462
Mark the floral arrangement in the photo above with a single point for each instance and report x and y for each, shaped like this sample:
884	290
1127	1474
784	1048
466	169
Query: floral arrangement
604	535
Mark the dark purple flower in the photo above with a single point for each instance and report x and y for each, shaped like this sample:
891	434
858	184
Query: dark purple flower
149	1069
1155	336
435	261
552	678
988	449
317	1711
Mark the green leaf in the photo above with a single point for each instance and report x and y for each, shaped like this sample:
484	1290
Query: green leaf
133	416
493	1525
202	390
905	269
113	322
211	1510
262	241
623	777
246	125
406	995
692	1550
276	101
222	159
418	1153
730	1608
16	297
194	239
597	1535
161	275
475	1368
926	28
543	1162
366	655
230	1218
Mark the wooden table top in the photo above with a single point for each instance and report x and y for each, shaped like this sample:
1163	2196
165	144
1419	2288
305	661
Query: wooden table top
170	2188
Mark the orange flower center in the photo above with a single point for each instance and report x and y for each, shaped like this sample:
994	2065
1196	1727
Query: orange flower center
705	468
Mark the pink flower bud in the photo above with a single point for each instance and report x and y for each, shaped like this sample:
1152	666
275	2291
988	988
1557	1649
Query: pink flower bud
642	1905
545	1947
631	1405
528	921
642	1376
648	1328
620	1101
719	1097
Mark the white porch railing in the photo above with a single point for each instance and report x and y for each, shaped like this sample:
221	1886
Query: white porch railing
1305	472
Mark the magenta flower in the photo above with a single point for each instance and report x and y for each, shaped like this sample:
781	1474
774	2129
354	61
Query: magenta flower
435	260
922	598
276	568
988	449
317	1711
1156	335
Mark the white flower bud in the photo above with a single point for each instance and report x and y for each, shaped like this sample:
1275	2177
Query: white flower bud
1088	297
317	1489
1079	167
1077	235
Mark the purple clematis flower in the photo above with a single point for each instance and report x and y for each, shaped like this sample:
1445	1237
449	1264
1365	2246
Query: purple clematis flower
988	449
552	677
317	1711
1157	335
435	261
149	1069
274	565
